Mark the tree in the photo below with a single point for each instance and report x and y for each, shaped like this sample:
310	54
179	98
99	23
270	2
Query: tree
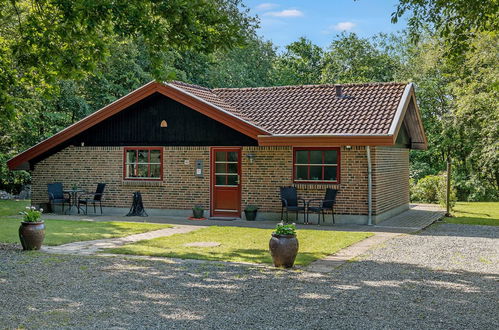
44	41
455	21
351	59
301	64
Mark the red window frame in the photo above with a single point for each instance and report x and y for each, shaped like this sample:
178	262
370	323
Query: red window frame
338	164
137	149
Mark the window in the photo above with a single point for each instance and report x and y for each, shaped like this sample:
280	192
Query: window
316	165
143	163
226	171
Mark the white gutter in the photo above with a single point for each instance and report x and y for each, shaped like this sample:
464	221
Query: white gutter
369	187
214	106
404	100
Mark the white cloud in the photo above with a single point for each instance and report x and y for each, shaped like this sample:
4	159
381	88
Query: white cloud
266	6
285	13
344	26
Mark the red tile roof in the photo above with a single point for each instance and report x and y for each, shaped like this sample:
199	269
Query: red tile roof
312	109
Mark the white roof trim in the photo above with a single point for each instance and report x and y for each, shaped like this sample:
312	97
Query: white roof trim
215	106
404	100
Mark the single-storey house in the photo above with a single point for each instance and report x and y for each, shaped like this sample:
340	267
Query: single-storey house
182	145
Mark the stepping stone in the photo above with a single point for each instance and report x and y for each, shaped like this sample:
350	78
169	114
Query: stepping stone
202	244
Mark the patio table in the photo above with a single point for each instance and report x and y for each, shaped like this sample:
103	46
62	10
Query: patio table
73	201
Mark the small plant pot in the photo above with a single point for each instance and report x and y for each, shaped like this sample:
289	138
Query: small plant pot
197	213
283	249
250	215
32	235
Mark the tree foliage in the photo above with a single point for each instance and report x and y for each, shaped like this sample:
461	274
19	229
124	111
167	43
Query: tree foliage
455	21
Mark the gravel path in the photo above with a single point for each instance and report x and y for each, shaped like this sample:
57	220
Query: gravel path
445	277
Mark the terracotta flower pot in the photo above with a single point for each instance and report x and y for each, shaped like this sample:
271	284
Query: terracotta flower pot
283	249
32	235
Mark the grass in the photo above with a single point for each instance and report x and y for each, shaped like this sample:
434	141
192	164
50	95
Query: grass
12	207
241	245
475	213
59	232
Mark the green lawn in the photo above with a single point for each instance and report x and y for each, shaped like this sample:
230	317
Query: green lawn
475	213
59	232
12	207
241	245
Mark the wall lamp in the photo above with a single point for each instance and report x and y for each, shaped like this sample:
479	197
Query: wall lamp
250	157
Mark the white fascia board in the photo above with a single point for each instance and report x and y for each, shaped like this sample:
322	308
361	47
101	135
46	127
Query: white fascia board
404	101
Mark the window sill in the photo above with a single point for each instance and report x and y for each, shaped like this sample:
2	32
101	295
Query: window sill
142	183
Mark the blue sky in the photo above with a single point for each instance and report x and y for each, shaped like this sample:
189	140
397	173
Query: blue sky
284	21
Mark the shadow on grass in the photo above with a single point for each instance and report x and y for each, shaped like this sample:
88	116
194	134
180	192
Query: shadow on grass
258	256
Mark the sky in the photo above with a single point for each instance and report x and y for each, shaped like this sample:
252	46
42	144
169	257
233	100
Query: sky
284	21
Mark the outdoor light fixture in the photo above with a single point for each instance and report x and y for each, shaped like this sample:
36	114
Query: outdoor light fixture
251	157
164	124
348	147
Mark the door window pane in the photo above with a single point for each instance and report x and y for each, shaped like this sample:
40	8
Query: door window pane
231	168
232	156
220	180
220	156
220	167
232	180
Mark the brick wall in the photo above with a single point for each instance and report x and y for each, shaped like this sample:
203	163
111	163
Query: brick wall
85	166
390	178
271	168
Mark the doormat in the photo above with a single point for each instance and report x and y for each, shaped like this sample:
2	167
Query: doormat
198	219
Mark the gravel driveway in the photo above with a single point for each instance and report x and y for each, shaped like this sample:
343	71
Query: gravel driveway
445	277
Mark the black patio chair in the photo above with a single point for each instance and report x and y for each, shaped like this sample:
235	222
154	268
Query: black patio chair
290	202
56	195
94	198
323	205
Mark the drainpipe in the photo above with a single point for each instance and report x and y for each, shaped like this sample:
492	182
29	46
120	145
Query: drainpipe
369	187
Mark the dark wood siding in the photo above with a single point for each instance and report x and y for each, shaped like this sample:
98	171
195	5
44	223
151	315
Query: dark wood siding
139	125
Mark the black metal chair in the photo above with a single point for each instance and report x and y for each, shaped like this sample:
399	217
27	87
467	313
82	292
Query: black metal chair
56	195
323	205
290	202
94	198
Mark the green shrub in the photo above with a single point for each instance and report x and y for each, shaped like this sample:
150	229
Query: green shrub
432	189
282	229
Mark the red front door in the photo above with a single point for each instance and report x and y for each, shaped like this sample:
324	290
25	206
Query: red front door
226	182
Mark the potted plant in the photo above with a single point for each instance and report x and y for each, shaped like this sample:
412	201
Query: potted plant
250	212
32	229
198	212
284	245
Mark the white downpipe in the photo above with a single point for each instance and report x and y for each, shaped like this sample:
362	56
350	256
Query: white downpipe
369	187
